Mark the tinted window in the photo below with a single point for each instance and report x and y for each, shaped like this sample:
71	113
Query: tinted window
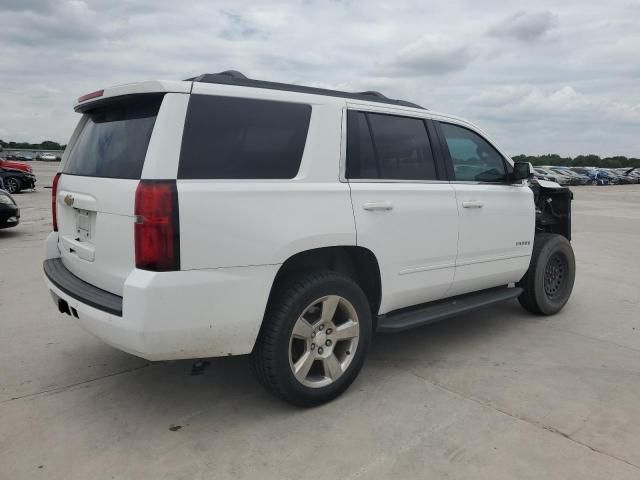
114	141
474	159
240	138
402	148
361	159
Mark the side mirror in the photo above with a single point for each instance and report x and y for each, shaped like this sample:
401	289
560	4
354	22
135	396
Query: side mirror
521	171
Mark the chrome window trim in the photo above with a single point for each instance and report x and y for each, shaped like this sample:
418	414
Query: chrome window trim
499	184
383	180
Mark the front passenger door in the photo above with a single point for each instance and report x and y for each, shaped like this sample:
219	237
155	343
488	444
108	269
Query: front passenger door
497	218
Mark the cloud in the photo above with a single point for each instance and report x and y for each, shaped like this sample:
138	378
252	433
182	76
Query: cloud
74	22
560	120
577	94
524	26
430	55
22	5
526	102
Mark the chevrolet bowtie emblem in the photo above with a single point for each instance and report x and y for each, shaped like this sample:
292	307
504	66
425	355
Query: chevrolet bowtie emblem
68	199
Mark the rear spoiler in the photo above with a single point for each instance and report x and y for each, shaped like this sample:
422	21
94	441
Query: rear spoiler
154	86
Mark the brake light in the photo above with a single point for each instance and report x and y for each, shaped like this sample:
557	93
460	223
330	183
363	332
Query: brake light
54	194
89	96
157	229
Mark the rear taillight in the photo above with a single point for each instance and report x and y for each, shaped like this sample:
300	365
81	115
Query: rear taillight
157	229
54	194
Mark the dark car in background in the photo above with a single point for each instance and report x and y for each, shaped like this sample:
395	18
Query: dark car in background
16	180
596	176
9	211
577	178
19	156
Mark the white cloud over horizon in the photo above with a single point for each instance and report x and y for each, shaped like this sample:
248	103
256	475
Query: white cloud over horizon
540	78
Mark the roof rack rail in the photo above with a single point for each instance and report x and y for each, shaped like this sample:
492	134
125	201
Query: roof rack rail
234	77
373	93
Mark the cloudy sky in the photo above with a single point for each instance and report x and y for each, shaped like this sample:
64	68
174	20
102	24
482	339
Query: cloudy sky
540	77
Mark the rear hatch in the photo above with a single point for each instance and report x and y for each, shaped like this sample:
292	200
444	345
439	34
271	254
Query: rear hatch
96	191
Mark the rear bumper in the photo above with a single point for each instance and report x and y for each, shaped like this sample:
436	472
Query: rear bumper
58	275
169	315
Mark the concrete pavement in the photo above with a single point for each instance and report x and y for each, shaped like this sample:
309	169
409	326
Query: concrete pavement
497	394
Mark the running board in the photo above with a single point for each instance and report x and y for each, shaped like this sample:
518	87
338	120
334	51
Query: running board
405	319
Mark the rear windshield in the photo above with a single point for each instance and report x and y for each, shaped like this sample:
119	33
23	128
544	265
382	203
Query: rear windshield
241	138
114	141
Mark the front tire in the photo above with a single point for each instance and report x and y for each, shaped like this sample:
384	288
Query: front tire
549	281
314	338
12	185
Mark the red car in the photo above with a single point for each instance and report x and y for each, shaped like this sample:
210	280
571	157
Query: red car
15	165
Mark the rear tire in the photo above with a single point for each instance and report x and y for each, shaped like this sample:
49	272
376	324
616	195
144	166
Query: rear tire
314	338
549	281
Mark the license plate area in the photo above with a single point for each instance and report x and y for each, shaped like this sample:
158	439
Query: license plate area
83	225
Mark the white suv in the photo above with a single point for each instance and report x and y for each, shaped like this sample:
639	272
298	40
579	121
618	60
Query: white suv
224	216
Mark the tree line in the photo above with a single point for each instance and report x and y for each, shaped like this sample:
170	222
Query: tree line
45	145
580	161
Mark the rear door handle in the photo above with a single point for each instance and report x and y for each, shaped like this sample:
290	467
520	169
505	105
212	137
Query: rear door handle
372	206
473	204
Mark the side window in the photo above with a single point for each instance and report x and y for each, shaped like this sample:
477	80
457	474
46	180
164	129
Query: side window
361	159
473	158
388	147
402	147
241	138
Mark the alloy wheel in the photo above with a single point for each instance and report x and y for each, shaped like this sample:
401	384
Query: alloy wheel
323	341
11	184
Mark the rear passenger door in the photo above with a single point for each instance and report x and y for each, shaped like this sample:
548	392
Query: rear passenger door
405	211
497	216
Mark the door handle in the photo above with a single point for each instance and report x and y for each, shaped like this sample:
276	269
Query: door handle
383	206
472	204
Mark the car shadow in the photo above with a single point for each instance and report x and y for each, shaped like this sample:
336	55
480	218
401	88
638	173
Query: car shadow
168	391
9	232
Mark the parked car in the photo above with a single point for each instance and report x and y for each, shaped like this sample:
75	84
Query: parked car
16	180
596	177
15	165
9	211
618	177
612	179
225	223
47	157
577	178
539	174
560	178
633	174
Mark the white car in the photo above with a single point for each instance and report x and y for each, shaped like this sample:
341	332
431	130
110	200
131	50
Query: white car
225	216
47	157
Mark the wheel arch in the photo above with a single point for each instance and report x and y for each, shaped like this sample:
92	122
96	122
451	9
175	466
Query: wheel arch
358	263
